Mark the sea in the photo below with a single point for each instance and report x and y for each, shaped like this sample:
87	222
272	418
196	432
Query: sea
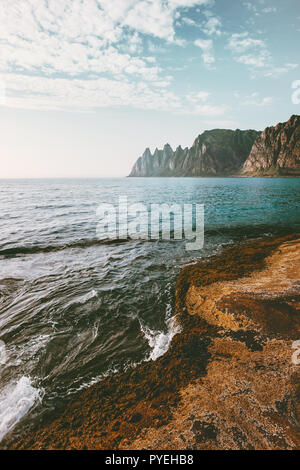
75	307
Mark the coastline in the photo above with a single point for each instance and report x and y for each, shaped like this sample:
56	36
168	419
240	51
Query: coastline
226	382
223	176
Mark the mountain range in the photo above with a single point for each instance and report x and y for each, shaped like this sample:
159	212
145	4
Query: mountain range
222	152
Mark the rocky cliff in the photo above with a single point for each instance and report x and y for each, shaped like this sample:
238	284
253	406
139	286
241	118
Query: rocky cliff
220	152
276	151
217	152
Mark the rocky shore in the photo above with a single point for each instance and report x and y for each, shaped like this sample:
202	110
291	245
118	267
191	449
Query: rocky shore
227	381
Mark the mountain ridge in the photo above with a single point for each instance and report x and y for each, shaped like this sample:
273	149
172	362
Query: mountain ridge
225	152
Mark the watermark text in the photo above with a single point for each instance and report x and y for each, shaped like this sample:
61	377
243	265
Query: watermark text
154	222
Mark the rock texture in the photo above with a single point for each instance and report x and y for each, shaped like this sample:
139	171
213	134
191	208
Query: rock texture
277	151
249	397
214	153
227	380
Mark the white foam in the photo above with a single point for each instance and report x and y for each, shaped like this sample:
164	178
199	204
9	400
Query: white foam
3	357
17	355
94	380
159	341
16	399
88	296
82	299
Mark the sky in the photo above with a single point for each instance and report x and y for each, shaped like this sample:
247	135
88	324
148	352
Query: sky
87	85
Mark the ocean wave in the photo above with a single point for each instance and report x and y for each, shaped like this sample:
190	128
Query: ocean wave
22	354
29	250
16	399
247	231
88	296
159	341
82	299
94	380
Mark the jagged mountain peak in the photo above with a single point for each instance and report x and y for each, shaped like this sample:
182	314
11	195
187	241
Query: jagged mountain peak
225	152
167	146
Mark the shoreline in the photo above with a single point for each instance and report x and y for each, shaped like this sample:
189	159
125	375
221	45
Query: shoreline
222	176
233	319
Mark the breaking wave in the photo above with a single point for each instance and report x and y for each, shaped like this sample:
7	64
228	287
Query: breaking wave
16	399
159	341
30	250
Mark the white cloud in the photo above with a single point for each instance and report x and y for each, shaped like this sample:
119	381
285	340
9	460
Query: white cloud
240	43
206	45
198	96
209	110
58	52
259	10
60	93
212	26
87	95
269	10
250	6
276	72
188	3
199	103
153	17
252	60
254	100
189	21
66	38
255	55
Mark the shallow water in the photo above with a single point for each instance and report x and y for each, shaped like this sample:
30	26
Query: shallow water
74	309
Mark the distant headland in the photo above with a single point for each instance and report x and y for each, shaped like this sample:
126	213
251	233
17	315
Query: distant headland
221	152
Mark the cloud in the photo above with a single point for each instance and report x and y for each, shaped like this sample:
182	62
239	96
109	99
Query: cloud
206	45
188	21
34	92
269	10
37	92
254	100
156	17
212	26
209	110
240	43
198	96
259	10
250	6
255	55
198	103
67	38
276	72
54	50
249	51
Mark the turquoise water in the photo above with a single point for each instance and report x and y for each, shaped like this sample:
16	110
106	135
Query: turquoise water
74	309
